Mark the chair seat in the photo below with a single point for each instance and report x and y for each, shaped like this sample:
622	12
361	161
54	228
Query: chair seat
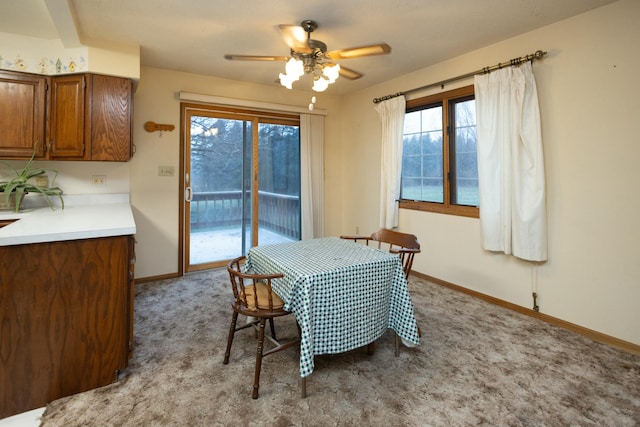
263	297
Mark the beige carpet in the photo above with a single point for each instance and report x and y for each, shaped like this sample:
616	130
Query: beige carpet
478	365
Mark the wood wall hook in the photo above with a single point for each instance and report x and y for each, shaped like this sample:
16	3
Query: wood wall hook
156	127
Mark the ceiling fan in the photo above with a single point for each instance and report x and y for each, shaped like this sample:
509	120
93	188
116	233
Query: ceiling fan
309	56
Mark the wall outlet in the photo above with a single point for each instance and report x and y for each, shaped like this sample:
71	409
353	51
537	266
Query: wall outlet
166	170
42	181
99	180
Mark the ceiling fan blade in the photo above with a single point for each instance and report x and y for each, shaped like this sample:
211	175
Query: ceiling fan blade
350	74
356	52
256	57
295	37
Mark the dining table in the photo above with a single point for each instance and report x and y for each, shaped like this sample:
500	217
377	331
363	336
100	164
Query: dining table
344	295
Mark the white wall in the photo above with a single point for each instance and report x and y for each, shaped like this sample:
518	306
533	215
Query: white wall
77	177
588	89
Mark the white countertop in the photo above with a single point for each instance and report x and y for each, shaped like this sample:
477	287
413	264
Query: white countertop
84	217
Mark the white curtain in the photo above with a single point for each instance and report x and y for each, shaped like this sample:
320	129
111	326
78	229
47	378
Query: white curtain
312	175
510	163
391	114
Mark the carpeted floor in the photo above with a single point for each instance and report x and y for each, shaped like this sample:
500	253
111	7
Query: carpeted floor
478	364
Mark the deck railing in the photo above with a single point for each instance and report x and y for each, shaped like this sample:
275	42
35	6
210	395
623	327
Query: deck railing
279	213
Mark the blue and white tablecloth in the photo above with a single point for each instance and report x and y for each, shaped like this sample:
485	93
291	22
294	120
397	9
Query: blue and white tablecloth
344	295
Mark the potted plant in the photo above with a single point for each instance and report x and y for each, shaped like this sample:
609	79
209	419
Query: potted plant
22	181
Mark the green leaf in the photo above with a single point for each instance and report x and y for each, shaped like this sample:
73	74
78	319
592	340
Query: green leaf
20	185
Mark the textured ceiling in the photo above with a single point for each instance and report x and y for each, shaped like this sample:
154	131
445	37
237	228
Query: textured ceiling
193	35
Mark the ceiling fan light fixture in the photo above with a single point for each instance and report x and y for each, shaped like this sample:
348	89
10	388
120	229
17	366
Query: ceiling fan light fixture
331	72
294	68
320	84
311	56
286	81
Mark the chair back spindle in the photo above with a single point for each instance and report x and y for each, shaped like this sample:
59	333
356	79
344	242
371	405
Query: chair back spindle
253	292
404	244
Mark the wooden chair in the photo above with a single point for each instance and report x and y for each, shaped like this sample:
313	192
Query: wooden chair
254	298
404	244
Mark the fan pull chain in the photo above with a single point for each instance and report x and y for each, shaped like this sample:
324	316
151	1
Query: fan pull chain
312	103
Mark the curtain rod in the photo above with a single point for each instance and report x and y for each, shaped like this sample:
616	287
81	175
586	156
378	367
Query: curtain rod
512	62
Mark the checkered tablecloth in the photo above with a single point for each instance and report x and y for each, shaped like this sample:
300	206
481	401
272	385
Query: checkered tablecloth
344	295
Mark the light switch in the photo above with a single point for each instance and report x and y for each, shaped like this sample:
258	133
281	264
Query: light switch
166	170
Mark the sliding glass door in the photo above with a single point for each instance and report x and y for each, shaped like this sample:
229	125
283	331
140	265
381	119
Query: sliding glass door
241	183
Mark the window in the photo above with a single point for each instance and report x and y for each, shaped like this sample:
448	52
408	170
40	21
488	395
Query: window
439	156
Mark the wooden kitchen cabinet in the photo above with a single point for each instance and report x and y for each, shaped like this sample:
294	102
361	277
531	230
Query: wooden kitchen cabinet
67	118
65	319
22	114
78	116
111	110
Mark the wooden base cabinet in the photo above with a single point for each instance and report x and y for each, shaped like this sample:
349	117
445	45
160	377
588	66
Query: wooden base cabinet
66	319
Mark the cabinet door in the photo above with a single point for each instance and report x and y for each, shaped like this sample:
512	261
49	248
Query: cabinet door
67	119
22	114
65	319
109	130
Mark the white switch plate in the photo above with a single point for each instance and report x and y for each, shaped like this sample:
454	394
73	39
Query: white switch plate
166	170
